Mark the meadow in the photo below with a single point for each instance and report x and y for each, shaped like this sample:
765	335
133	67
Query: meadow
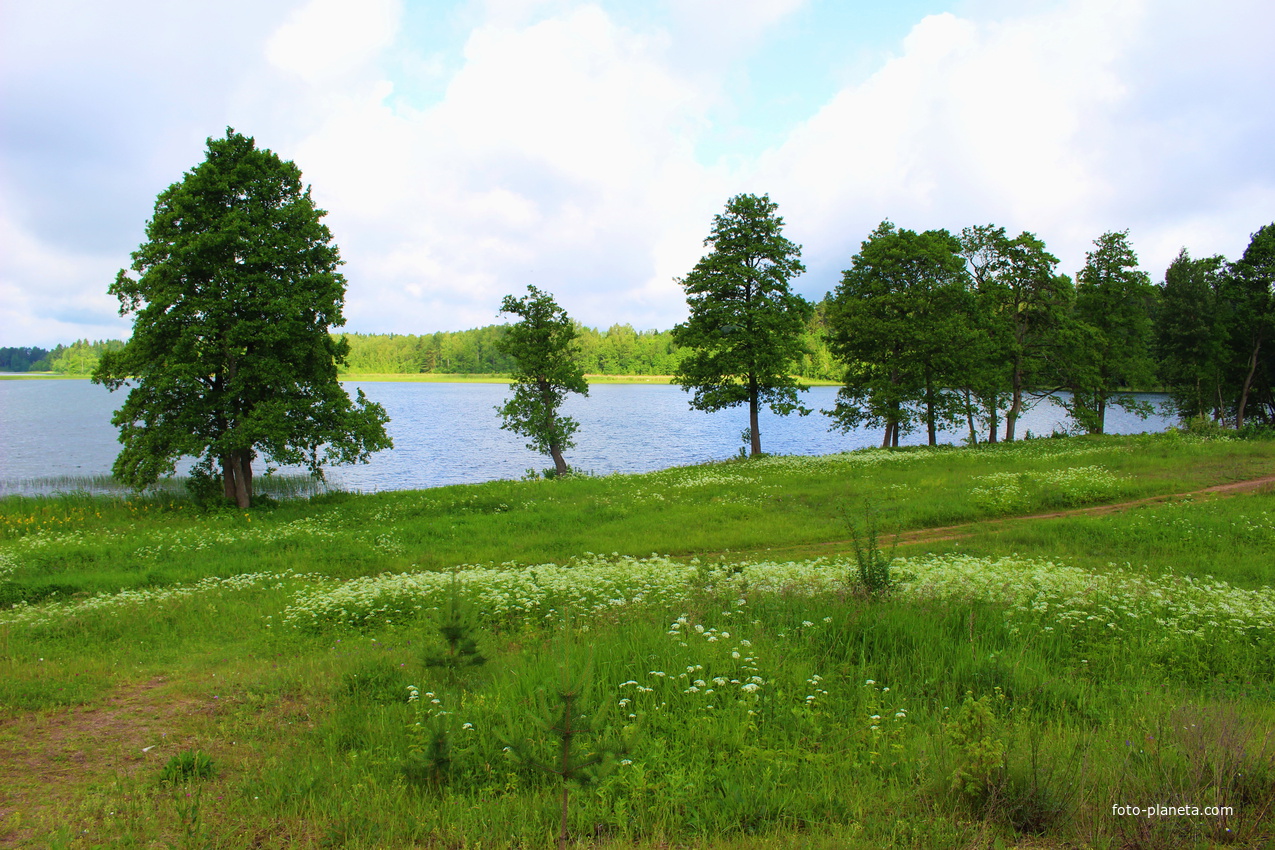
771	653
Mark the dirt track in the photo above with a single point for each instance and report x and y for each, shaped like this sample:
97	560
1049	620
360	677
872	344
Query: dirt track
958	532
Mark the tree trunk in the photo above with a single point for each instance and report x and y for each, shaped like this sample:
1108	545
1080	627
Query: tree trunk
930	431
754	431
247	478
559	464
227	478
969	418
236	477
241	465
1015	404
1248	384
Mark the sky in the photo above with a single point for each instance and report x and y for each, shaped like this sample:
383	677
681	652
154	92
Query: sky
466	149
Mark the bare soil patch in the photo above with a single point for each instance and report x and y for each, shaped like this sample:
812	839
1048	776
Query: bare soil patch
49	757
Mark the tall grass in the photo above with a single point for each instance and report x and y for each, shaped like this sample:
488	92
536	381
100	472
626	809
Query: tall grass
1014	685
273	486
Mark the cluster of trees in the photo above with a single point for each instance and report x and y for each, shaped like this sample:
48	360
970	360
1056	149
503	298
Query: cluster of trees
936	329
79	358
618	350
1215	334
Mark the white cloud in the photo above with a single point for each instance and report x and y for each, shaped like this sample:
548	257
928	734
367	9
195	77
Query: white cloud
555	141
1029	121
326	38
60	307
558	155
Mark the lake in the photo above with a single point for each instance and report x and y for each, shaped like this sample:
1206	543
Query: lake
51	430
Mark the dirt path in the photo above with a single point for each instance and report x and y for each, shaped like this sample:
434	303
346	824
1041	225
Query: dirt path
967	529
49	756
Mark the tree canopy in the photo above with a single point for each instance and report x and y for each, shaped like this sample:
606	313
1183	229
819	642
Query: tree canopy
542	344
231	355
745	333
1251	291
1018	307
899	322
1108	345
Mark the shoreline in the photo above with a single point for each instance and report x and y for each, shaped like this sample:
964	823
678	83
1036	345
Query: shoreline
432	378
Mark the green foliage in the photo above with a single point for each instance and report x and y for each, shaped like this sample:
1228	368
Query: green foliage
429	741
899	322
541	343
82	357
1107	347
23	359
577	734
1191	336
745	329
980	748
1018	308
188	766
1250	291
873	565
230	354
456	628
617	350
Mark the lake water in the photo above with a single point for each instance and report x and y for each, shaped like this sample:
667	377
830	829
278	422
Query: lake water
450	433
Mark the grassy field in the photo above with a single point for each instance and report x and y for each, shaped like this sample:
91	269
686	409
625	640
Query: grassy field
773	653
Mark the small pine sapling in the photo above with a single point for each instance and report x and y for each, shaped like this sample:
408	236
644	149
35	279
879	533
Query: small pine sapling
582	752
429	758
457	630
429	750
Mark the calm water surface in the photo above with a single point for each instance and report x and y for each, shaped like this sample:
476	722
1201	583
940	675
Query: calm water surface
450	433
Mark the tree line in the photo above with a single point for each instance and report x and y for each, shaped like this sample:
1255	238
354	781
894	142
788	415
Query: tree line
934	330
79	358
937	329
618	350
236	294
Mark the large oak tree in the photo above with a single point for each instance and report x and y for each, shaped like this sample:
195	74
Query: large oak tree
231	355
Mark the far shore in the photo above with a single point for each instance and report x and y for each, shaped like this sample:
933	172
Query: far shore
437	378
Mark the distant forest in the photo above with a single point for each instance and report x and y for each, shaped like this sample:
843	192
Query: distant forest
29	359
78	358
619	350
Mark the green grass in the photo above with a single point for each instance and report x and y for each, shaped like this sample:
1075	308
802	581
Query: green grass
1015	684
